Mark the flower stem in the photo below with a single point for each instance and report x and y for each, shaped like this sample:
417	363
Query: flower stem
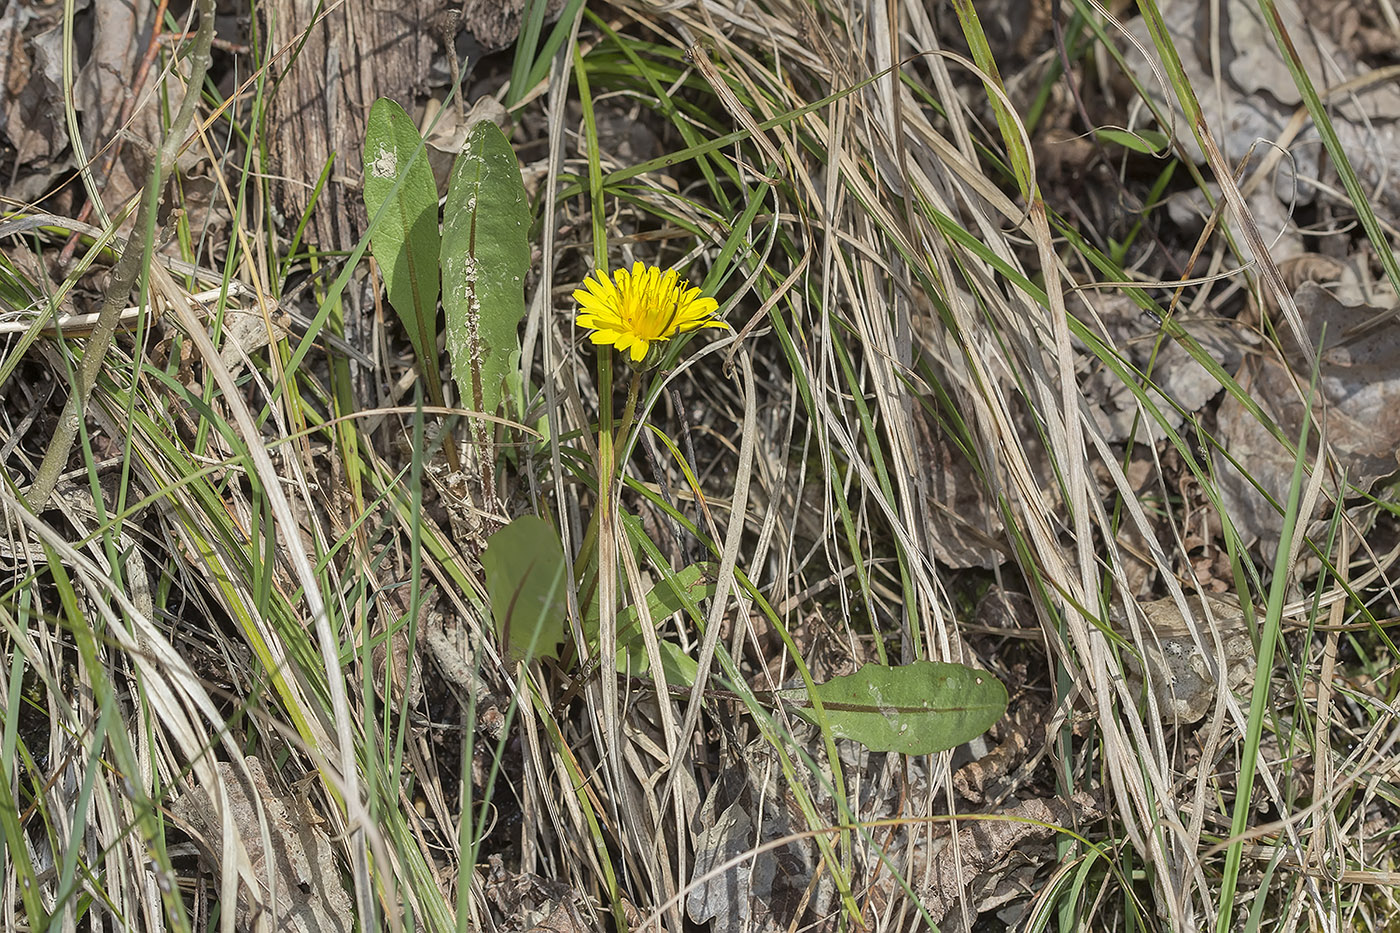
608	474
629	410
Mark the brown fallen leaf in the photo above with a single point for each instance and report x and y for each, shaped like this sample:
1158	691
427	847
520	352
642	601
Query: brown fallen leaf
981	845
301	863
1359	403
31	110
1253	97
758	894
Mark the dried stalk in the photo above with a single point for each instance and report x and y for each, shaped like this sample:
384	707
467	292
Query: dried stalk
129	265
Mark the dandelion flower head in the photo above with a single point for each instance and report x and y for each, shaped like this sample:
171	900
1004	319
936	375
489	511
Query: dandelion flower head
636	308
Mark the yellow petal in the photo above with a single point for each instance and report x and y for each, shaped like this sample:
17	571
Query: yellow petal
638	306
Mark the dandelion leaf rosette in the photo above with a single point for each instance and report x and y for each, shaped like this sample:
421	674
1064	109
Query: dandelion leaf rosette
916	709
485	254
401	200
525	580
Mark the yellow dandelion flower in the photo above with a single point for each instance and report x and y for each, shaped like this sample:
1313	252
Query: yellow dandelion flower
634	309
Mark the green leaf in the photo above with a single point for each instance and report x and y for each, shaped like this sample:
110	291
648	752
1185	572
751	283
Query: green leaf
667	597
685	588
916	709
402	202
525	581
680	668
485	254
1017	153
1148	142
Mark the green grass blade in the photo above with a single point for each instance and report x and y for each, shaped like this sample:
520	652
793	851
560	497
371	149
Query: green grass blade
1268	643
1360	199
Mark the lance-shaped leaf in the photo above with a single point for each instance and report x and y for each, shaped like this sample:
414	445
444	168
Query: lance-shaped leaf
402	202
525	580
916	709
485	254
685	588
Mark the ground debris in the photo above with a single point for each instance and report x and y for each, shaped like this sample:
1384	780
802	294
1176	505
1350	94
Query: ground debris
1359	406
1255	99
972	864
294	887
757	894
1185	678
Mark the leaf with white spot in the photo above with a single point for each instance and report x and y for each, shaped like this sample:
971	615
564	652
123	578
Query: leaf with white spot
401	200
485	254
